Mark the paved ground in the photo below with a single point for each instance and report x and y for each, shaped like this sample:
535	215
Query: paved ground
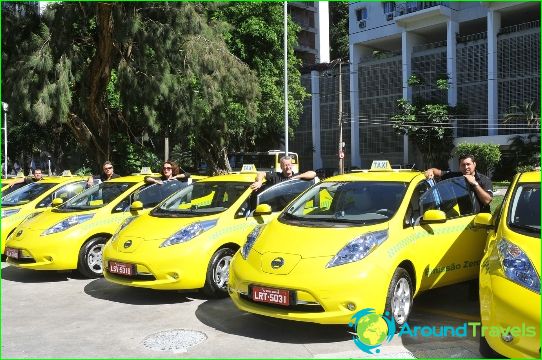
58	315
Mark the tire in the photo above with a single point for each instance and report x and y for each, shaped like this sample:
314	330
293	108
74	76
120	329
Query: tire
487	351
216	280
90	258
399	299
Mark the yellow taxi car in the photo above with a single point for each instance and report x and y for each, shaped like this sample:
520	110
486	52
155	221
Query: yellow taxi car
188	240
510	273
32	199
72	235
370	239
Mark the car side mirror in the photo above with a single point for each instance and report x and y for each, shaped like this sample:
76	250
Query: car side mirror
483	219
57	201
136	206
433	216
263	209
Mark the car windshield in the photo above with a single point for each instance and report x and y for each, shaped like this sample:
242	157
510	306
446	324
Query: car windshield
97	196
26	193
201	198
346	204
524	210
151	195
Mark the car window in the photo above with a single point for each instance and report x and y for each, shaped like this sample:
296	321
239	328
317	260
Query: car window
280	195
524	210
96	196
65	192
152	195
26	193
451	196
414	210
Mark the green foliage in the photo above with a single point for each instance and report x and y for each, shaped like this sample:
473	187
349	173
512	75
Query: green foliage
130	158
526	152
487	155
338	31
414	80
84	171
524	114
429	126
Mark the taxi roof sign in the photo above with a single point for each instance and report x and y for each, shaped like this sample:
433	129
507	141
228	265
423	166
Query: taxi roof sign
66	173
248	168
381	165
145	171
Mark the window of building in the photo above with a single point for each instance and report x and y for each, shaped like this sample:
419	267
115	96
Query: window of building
361	14
389	7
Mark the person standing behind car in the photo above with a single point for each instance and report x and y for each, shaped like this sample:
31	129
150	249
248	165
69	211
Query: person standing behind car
286	174
170	171
480	184
38	175
107	174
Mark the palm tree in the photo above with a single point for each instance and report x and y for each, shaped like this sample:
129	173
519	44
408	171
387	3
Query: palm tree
523	114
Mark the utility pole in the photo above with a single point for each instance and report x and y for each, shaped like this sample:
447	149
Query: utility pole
341	143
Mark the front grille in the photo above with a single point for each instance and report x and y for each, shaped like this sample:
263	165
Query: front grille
25	260
312	308
143	277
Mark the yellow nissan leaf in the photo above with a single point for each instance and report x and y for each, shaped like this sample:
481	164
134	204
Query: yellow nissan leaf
188	240
370	239
72	235
32	199
510	273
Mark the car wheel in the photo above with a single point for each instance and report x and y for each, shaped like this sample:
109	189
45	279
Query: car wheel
399	299
216	281
487	351
90	258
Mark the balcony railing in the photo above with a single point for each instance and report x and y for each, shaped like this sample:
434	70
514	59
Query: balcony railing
413	6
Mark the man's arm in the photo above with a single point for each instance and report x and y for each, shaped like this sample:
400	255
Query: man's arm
307	175
432	172
18	181
259	180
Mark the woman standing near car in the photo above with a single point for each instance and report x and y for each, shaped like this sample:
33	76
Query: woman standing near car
170	171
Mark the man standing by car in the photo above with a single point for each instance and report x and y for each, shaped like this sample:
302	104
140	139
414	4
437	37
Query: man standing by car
286	174
107	174
38	175
479	184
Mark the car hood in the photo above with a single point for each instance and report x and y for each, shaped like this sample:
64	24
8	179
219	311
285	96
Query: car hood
152	228
308	242
49	218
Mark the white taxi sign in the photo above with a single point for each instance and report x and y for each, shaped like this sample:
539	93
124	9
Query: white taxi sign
248	168
145	170
381	165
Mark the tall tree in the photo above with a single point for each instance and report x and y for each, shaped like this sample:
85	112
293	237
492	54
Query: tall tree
338	32
105	68
255	35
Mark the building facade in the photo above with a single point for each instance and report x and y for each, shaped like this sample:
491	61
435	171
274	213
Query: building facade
489	52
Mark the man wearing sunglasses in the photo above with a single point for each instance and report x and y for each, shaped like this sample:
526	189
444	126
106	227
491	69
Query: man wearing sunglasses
107	174
170	171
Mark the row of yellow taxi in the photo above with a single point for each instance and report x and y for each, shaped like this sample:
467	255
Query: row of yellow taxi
371	239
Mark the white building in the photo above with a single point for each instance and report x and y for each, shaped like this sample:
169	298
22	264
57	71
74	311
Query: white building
490	52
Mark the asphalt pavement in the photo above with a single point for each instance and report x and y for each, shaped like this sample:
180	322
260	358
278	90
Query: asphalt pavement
61	315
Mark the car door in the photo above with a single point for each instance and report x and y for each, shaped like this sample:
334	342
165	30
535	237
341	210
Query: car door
450	250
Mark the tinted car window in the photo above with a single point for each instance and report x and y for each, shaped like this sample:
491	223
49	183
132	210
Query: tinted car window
26	193
282	194
451	196
524	210
64	192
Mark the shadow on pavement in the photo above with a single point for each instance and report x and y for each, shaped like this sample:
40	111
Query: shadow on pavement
104	290
12	273
224	316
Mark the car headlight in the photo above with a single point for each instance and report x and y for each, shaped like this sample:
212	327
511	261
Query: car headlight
67	223
358	248
251	239
122	226
517	266
9	212
189	232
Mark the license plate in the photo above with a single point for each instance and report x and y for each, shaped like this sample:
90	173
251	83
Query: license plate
271	296
12	253
121	268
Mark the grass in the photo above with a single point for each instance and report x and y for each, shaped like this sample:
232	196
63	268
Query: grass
495	203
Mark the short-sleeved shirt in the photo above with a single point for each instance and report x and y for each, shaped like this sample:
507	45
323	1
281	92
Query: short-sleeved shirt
276	177
482	180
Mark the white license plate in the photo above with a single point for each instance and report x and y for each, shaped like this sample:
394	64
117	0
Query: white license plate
12	253
271	296
121	268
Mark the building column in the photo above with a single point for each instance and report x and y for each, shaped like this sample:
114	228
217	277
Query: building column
322	33
493	27
408	40
451	66
315	92
355	56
